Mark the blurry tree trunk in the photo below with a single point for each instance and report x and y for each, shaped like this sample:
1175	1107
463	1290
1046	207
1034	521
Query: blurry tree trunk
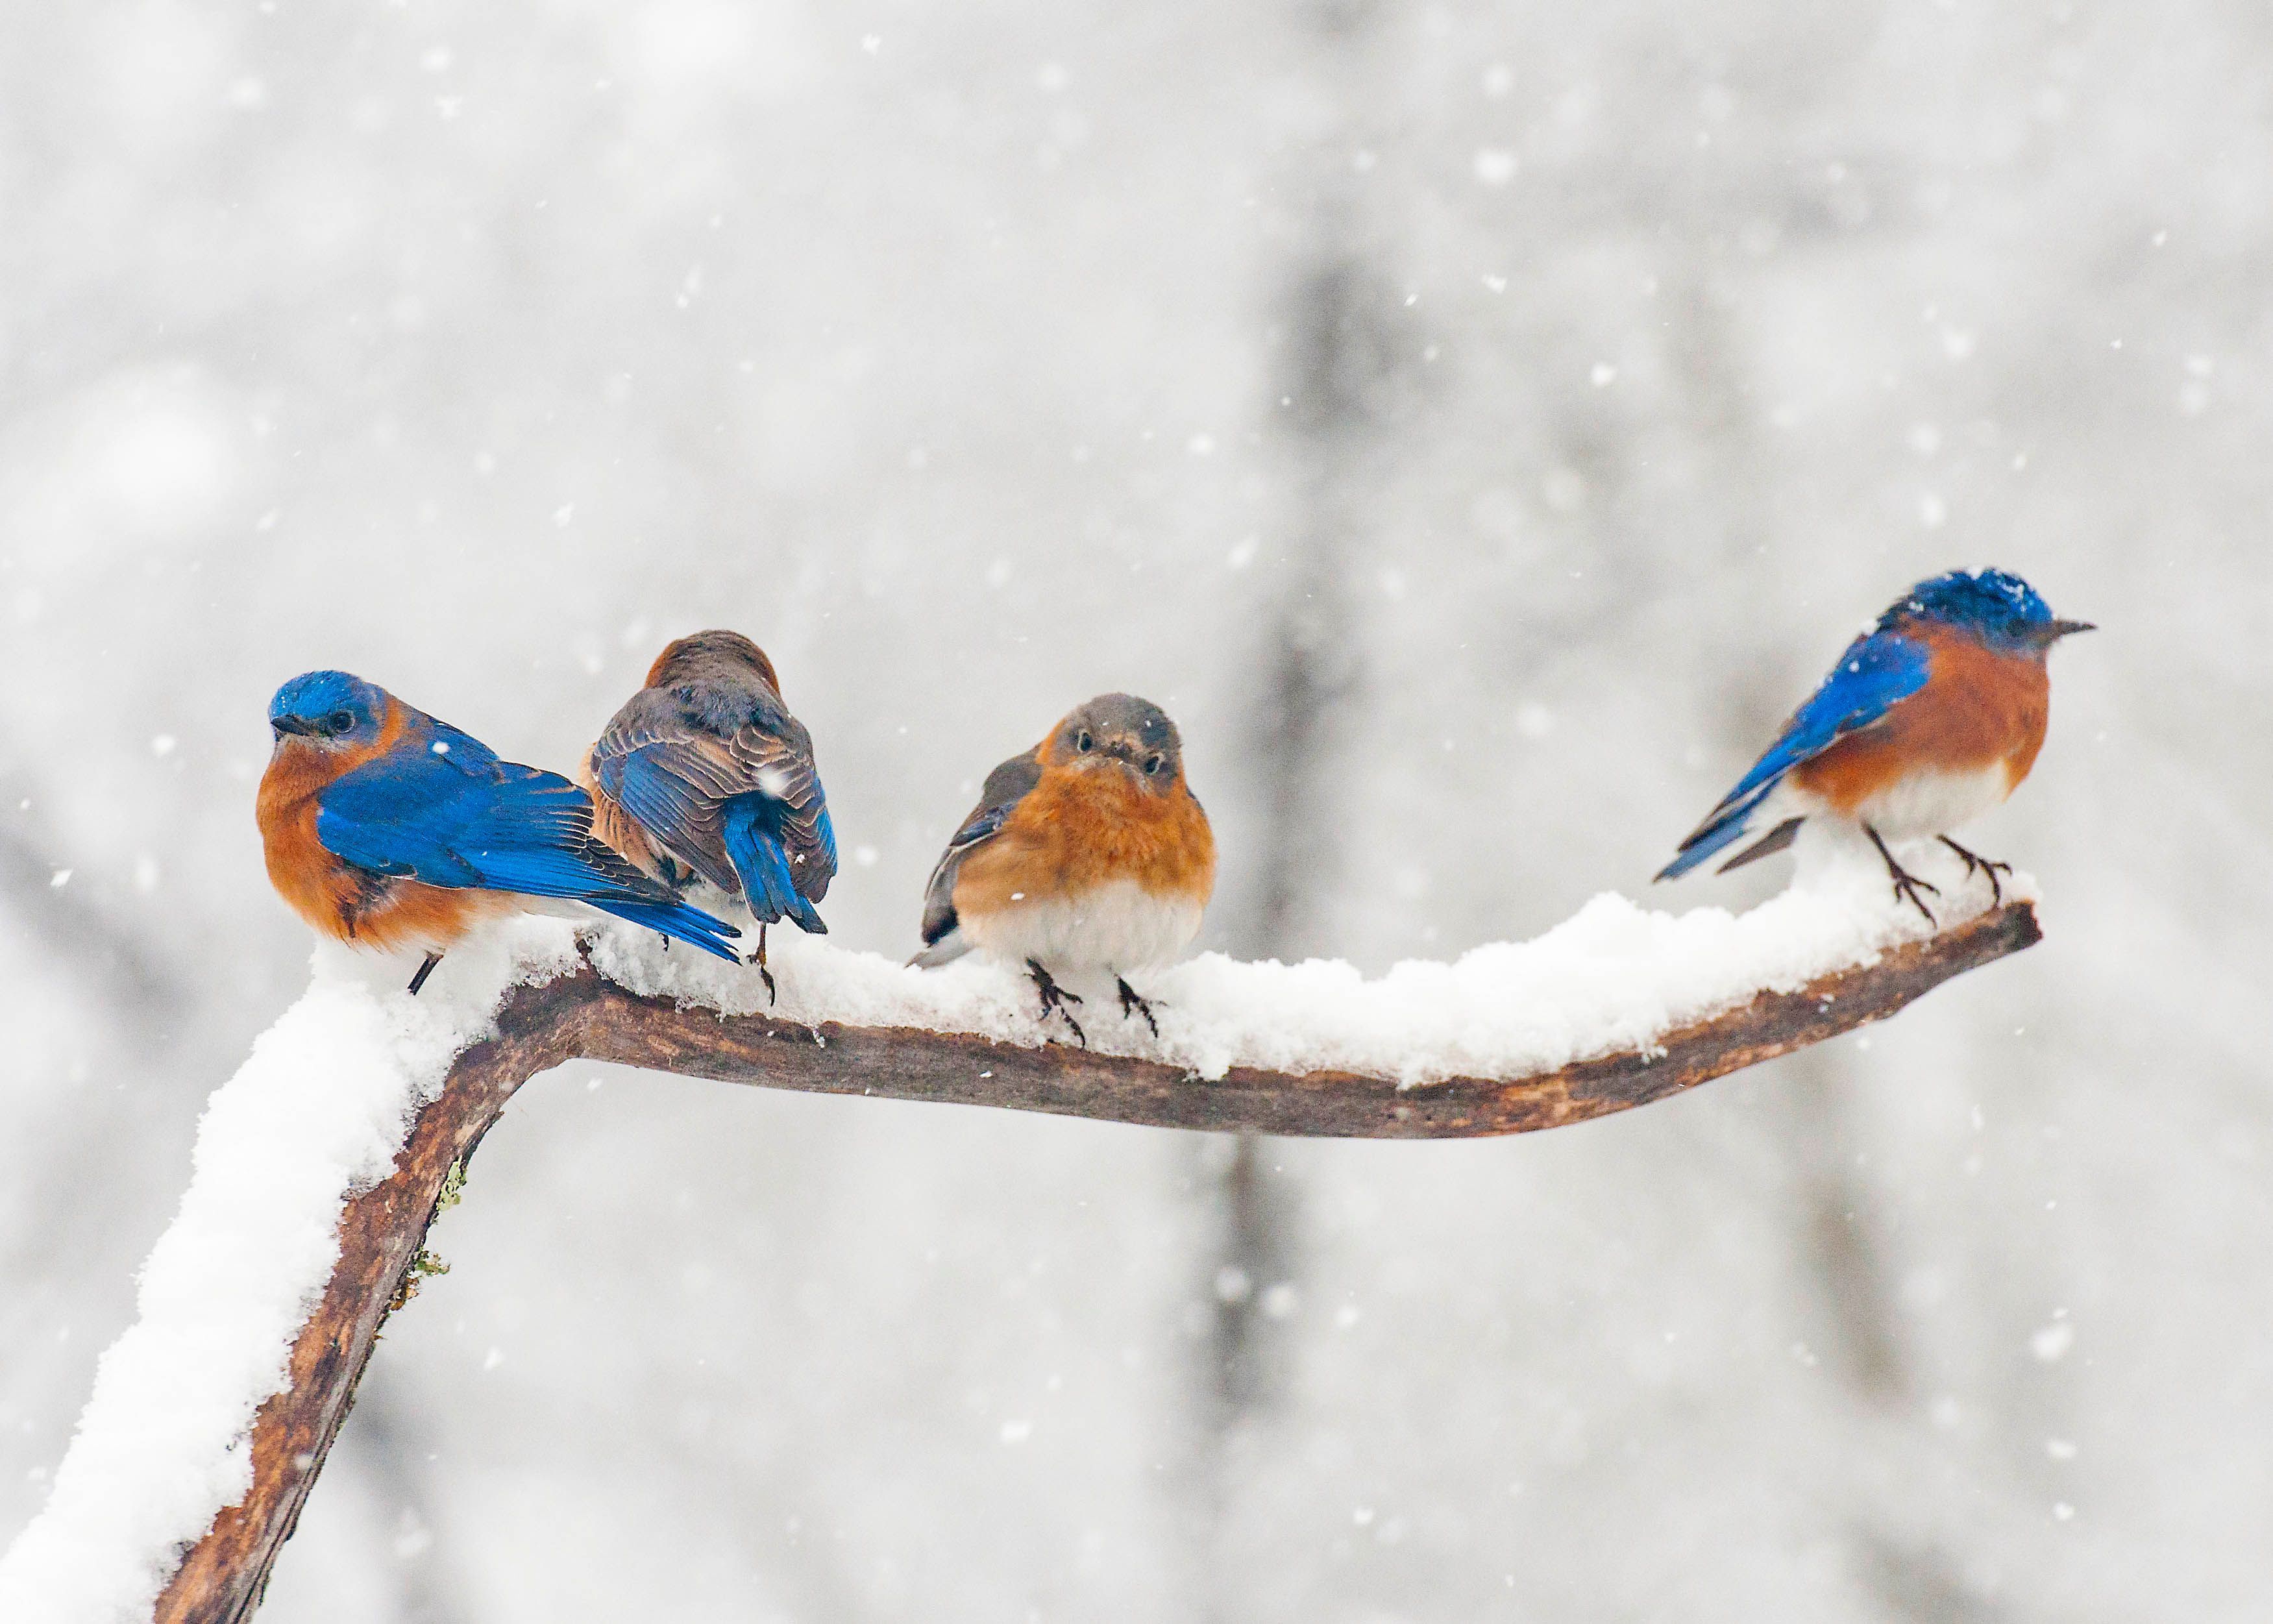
144	1026
1839	1238
1328	404
1311	672
1334	370
138	987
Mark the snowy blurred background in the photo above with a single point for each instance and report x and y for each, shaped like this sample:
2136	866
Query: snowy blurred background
1477	424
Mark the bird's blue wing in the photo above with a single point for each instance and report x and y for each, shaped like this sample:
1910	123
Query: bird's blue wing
1878	670
441	808
511	828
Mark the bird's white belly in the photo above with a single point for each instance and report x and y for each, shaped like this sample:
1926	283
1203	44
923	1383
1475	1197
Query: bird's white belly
1117	927
1933	803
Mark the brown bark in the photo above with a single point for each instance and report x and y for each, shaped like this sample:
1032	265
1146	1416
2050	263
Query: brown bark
582	1016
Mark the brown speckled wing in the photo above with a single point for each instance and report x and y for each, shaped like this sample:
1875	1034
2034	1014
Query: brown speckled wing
1006	787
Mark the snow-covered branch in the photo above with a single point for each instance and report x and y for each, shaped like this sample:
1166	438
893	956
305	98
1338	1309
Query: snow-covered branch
610	1023
320	1166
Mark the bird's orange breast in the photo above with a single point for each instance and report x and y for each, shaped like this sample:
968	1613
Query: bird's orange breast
349	903
1978	709
1082	828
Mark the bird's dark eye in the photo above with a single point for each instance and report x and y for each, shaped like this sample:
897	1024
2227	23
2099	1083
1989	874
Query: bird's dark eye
1082	742
339	721
1155	761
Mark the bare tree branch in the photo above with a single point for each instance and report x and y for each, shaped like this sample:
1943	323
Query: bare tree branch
584	1016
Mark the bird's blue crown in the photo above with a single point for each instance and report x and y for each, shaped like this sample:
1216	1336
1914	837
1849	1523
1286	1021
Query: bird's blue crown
326	704
1994	604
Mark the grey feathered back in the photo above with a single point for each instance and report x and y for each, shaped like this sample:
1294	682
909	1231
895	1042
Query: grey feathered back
713	725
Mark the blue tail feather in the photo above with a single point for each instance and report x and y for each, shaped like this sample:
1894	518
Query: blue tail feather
753	835
1718	833
678	920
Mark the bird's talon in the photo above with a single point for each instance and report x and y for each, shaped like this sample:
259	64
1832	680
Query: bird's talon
1056	997
1988	866
1132	1002
1907	885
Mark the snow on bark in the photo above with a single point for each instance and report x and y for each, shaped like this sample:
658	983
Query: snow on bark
320	1108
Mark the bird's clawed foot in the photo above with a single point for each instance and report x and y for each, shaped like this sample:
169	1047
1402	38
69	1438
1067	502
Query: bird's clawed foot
1055	998
1989	865
1907	885
424	970
1133	1002
773	993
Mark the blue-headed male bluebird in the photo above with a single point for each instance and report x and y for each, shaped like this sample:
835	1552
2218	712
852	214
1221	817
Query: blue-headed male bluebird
1088	853
1931	718
705	772
389	829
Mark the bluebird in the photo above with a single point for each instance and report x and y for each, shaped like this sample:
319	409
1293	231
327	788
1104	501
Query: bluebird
1087	853
704	773
1930	718
389	829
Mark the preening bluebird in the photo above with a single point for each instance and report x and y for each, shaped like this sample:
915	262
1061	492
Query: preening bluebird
389	829
1930	718
705	772
1087	853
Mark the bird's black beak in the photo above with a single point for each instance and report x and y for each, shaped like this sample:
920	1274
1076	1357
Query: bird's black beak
2067	628
291	725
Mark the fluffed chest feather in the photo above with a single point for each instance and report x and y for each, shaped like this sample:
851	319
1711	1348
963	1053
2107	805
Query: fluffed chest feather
1088	872
1077	831
1119	926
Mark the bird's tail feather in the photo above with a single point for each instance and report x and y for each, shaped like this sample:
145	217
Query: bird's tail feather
769	883
1769	844
1728	825
678	920
945	951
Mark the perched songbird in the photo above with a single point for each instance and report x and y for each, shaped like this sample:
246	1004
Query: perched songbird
1930	719
705	772
390	830
1088	853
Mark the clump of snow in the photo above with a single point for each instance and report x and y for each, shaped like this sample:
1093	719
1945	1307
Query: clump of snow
319	1110
1614	977
321	1107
